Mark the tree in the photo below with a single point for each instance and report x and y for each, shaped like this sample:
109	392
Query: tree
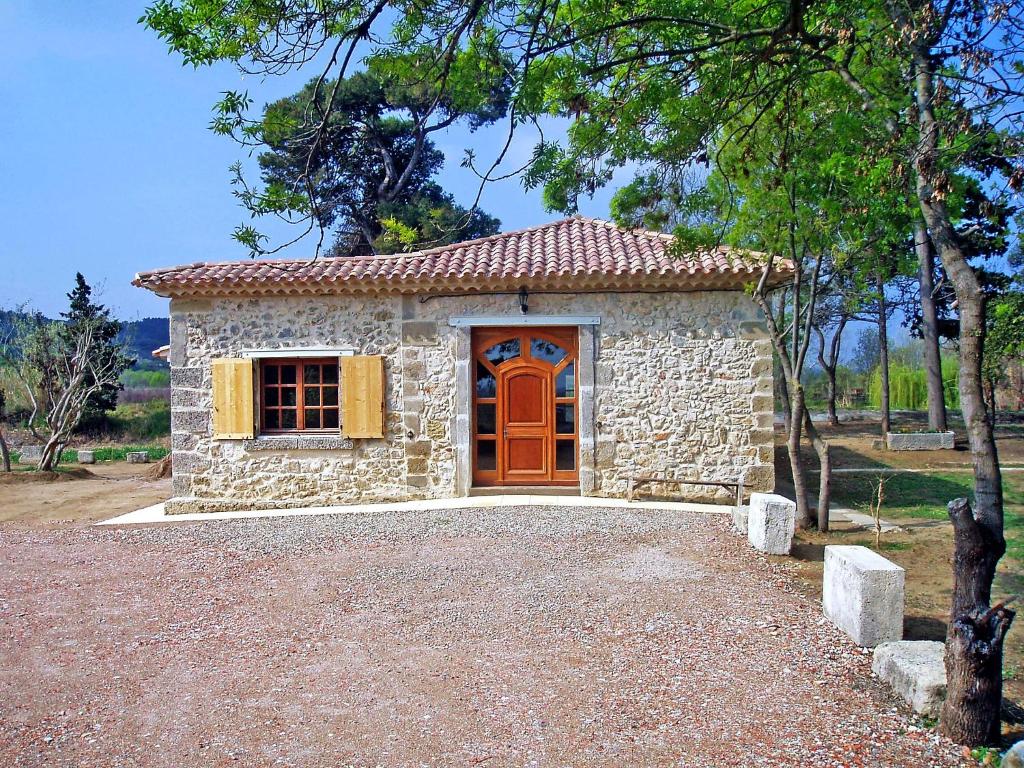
371	168
65	366
442	65
82	310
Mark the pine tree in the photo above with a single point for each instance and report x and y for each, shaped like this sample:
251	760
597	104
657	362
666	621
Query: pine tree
83	310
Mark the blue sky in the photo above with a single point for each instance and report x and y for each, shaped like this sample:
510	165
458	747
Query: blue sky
109	168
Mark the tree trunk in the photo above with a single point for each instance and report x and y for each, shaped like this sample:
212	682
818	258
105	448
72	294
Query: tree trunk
821	447
974	639
804	518
833	415
930	329
883	354
5	453
51	455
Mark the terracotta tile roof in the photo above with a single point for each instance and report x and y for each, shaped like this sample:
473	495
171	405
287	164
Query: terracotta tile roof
572	254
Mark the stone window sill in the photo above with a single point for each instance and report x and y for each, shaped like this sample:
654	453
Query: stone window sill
298	443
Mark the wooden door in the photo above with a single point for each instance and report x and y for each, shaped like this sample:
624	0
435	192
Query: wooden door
524	406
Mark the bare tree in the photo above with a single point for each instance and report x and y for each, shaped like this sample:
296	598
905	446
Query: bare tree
61	366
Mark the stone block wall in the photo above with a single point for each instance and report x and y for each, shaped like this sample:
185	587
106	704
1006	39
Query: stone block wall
675	382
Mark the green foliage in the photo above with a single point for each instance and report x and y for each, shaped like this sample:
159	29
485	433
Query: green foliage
109	453
369	171
137	379
139	421
908	386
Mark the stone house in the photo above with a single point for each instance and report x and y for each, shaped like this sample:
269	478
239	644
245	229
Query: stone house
573	354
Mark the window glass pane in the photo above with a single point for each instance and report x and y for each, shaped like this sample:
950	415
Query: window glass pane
330	373
486	385
311	396
288	396
270	396
330	418
565	384
271	420
486	455
505	350
311	374
565	419
485	419
549	352
288	419
330	395
288	374
270	374
312	419
565	454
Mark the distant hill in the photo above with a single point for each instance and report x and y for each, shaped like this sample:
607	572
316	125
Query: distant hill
140	336
145	335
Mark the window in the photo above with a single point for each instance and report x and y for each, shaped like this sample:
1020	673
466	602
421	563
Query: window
299	395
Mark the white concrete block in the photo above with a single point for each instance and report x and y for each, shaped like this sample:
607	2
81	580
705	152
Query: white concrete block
86	457
863	594
137	457
771	522
919	441
916	670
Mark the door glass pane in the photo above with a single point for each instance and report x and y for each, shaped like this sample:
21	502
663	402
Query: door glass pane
271	420
312	396
486	385
330	373
288	418
288	396
270	396
330	395
505	350
485	419
330	418
565	455
549	352
565	384
311	374
565	419
287	374
312	419
270	374
486	455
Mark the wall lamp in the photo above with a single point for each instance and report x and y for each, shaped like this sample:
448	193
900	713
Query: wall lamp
524	297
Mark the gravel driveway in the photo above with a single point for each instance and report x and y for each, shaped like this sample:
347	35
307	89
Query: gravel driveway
549	637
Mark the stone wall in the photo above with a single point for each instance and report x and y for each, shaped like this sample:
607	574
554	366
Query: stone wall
677	382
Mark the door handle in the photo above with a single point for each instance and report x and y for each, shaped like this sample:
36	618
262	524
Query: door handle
504	432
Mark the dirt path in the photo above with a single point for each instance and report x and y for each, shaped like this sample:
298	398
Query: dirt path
583	637
112	489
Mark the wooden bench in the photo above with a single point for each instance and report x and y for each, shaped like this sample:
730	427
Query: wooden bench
636	482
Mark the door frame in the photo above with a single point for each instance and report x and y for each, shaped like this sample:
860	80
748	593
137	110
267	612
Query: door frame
500	369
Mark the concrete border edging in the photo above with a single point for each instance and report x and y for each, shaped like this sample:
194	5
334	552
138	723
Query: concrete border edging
157	514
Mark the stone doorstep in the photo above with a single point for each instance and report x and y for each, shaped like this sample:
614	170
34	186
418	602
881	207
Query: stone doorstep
915	669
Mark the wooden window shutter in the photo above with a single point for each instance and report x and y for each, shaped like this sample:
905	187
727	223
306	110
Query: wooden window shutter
362	396
232	399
